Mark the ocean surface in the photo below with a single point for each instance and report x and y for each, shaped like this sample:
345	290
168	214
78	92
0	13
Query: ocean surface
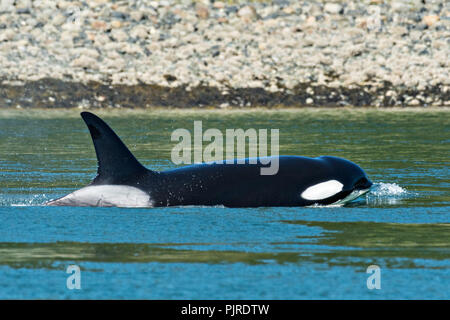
402	225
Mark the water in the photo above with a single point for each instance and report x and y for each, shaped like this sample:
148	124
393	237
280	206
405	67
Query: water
402	225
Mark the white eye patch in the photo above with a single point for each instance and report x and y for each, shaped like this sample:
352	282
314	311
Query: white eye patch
322	190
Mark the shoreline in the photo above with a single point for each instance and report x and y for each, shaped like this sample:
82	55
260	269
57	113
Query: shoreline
224	54
54	93
48	113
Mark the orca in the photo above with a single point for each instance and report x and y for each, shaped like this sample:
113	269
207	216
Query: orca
122	181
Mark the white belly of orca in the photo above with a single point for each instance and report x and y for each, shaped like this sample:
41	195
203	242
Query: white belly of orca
106	196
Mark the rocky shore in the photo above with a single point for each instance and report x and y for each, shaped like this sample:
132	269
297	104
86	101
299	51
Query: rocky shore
184	53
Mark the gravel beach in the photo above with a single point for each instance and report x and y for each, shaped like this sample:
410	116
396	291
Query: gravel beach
139	54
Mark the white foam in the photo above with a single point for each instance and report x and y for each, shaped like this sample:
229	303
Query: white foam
25	200
387	194
382	189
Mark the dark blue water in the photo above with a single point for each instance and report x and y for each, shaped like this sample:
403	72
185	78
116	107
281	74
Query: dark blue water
402	225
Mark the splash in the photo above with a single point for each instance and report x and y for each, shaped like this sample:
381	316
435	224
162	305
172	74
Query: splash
387	194
29	200
382	189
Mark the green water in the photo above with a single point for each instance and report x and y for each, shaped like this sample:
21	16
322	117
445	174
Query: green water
402	225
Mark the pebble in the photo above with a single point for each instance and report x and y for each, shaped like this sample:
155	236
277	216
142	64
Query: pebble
116	24
247	13
333	8
137	16
140	32
202	11
430	20
99	25
7	35
414	102
84	62
7	6
119	35
218	5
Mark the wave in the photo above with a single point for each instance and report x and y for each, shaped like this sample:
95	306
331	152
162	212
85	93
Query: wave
382	189
25	200
383	193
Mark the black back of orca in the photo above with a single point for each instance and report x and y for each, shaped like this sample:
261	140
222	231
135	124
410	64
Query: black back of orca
231	185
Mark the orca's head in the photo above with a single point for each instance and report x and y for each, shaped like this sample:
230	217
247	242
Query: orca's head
344	182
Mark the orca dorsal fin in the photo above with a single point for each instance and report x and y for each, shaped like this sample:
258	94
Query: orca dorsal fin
116	164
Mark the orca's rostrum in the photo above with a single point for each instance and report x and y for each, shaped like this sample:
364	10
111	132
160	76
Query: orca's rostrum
300	181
